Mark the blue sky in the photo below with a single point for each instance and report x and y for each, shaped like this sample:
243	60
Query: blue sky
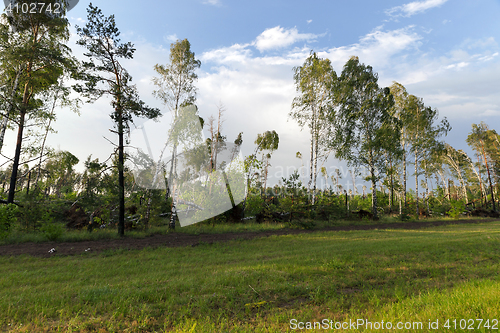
445	51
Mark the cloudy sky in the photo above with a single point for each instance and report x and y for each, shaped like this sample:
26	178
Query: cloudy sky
445	51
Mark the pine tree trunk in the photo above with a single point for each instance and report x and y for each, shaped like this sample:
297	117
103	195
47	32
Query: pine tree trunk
121	178
5	120
17	155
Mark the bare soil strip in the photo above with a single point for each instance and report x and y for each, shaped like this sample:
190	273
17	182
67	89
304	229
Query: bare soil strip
180	239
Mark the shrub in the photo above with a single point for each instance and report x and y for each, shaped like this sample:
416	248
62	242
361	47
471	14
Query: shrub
254	205
8	216
457	208
53	231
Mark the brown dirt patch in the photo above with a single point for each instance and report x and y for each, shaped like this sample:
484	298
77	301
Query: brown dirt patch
181	239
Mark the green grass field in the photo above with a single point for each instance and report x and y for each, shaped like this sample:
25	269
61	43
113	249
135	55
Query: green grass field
265	285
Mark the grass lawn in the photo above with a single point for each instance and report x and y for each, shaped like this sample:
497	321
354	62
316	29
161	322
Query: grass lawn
269	284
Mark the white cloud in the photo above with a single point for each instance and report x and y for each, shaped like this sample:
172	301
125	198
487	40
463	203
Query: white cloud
237	53
257	89
309	21
481	43
490	113
170	38
413	8
488	57
278	37
212	2
376	48
457	66
78	20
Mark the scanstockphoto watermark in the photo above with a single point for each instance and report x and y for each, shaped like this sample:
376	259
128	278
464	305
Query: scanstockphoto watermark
332	176
172	153
359	324
335	171
450	324
336	179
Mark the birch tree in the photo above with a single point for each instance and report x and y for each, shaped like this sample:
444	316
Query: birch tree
314	81
458	162
423	135
400	111
479	140
267	141
175	88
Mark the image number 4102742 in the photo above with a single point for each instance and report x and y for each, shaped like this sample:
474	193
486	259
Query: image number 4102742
53	8
21	12
204	178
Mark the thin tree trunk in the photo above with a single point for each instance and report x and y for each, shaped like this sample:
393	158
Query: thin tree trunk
404	180
374	195
17	156
374	189
426	191
316	148
28	186
481	187
121	178
443	180
309	184
449	190
489	177
416	183
400	204
148	209
170	189
45	139
5	120
481	183
392	188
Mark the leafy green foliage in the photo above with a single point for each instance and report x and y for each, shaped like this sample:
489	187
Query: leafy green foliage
316	82
52	230
104	75
457	208
365	129
8	216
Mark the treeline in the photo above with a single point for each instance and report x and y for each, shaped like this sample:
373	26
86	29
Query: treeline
385	130
349	116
